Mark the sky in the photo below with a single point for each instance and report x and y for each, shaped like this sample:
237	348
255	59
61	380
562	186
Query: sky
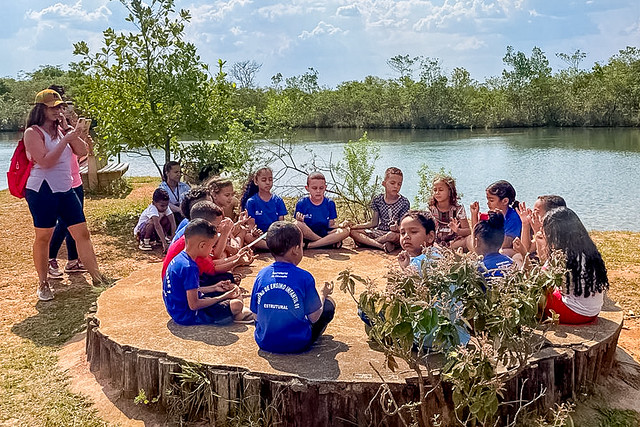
343	40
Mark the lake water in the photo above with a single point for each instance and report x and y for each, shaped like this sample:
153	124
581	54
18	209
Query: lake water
597	171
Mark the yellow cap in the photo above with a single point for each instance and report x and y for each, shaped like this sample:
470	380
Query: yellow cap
49	97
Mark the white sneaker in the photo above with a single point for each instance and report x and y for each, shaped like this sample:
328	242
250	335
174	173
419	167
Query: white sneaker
45	292
145	245
54	270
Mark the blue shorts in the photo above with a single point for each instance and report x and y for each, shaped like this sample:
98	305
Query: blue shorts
216	314
46	207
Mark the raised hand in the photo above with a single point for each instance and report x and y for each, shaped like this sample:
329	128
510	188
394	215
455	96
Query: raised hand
454	225
404	259
299	216
327	289
524	213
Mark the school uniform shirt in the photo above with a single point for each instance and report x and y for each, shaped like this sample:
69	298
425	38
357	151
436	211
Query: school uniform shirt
389	213
283	296
317	217
512	223
147	214
495	264
180	229
265	213
182	275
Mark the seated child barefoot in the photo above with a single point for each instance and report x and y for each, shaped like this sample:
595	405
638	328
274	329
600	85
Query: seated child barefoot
580	300
265	208
452	226
316	215
290	315
488	235
156	222
212	270
191	197
501	196
382	231
417	233
181	288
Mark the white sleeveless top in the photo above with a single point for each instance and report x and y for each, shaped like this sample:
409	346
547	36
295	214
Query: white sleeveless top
59	175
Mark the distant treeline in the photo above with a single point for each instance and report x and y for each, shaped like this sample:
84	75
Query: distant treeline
526	94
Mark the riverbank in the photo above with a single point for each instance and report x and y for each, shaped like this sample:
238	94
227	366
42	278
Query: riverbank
33	391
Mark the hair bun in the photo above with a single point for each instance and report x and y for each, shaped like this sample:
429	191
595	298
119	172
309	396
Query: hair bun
496	219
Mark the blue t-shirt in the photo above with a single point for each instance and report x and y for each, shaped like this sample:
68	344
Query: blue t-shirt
265	213
180	229
512	223
317	217
182	275
282	298
494	264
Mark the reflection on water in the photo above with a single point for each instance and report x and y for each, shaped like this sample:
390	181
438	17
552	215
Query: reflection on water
596	170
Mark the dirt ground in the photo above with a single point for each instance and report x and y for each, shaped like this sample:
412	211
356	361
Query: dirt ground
21	315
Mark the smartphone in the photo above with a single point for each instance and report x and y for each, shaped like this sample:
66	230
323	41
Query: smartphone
84	124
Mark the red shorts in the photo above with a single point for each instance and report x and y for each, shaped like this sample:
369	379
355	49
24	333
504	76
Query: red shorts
567	316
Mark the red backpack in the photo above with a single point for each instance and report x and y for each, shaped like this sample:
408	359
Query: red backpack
20	169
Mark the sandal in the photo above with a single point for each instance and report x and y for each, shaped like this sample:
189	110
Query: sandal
337	245
388	247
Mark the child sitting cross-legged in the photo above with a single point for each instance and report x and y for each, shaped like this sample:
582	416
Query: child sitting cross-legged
382	230
290	314
181	291
156	222
316	215
212	270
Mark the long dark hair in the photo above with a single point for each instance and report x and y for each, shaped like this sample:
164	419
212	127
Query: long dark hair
491	231
564	231
504	190
36	115
251	187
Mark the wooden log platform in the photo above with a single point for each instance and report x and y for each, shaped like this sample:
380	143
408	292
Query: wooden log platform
132	341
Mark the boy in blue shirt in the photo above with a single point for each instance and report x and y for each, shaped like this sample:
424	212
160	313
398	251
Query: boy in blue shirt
316	216
181	289
290	314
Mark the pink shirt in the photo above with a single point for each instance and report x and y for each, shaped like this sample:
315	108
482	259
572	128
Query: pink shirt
76	179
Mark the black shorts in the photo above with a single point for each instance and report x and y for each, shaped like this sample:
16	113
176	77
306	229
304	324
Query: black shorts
216	314
46	207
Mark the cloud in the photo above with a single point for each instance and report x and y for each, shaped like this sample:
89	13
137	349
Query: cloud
217	11
349	11
65	12
470	43
321	29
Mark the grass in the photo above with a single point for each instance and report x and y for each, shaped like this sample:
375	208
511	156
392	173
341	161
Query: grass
33	391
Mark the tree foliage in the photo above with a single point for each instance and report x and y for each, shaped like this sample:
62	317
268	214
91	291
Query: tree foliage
146	88
420	312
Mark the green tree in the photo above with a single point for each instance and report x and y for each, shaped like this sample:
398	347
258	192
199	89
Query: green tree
147	88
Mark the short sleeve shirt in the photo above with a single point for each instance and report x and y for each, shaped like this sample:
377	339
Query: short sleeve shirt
182	275
265	213
512	223
389	213
317	217
282	298
495	264
175	196
147	214
180	229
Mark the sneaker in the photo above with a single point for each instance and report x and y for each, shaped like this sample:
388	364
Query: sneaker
45	292
75	266
54	270
145	246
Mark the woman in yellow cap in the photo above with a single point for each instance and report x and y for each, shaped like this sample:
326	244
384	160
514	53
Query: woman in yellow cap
48	190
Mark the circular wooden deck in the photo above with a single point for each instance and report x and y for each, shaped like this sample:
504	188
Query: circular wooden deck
132	341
